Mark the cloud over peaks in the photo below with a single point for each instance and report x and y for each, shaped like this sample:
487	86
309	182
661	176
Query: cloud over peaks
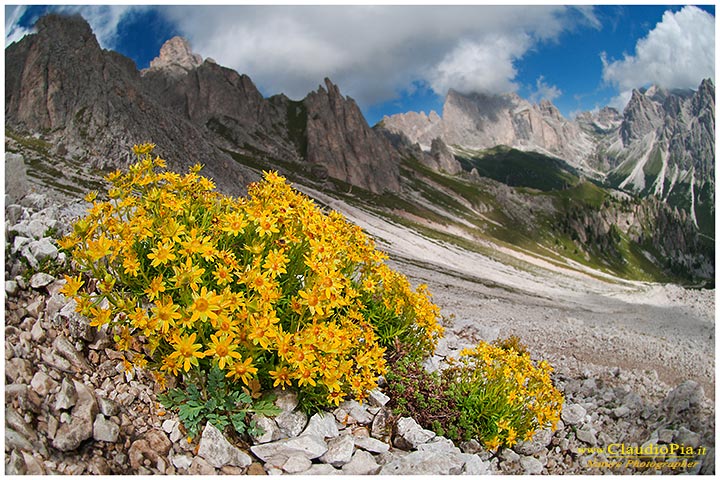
678	53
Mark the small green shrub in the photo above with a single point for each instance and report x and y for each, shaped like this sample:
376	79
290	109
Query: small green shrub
495	394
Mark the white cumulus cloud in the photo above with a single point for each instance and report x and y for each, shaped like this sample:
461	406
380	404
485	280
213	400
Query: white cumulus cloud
544	91
678	53
374	52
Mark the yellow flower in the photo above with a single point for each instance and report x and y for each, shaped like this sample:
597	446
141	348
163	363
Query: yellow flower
187	274
223	275
275	262
131	265
281	376
312	301
143	149
161	254
72	285
97	249
304	376
155	288
233	223
223	348
186	350
101	316
166	313
493	444
242	371
205	305
266	225
511	437
335	397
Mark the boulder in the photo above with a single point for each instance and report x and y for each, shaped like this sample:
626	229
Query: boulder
218	452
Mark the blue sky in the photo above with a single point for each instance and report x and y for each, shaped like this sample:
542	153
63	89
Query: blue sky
398	58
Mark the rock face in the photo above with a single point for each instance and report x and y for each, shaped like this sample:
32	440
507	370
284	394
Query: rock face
664	145
480	122
97	105
60	80
339	138
176	57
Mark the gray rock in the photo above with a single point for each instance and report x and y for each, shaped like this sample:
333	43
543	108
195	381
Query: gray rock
572	413
372	445
33	464
426	463
15	440
539	441
378	398
687	437
67	396
439	445
200	467
218	452
16	463
16	184
351	412
621	411
37	332
181	461
361	463
70	435
19	242
168	425
308	445
321	469
17	422
286	400
42	383
380	427
67	350
78	325
35	306
684	397
296	464
11	287
410	435
271	431
531	466
291	424
54	304
586	435
108	407
475	466
340	451
665	435
80	425
322	425
509	455
39	250
41	279
104	430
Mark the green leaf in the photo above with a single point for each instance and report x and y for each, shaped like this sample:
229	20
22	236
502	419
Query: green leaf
266	408
238	422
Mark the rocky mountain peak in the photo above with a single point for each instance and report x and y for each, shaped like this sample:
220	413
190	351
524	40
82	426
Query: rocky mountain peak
68	28
176	57
641	116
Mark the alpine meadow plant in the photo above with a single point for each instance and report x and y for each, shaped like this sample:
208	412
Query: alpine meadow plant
268	290
493	393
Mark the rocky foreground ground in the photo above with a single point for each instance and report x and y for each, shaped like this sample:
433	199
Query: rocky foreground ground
70	408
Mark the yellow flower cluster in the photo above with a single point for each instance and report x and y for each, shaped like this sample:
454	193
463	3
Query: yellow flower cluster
266	287
515	394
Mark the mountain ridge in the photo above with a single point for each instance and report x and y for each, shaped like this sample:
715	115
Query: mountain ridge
199	111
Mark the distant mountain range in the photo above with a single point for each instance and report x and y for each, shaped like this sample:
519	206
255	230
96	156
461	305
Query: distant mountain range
662	144
492	169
